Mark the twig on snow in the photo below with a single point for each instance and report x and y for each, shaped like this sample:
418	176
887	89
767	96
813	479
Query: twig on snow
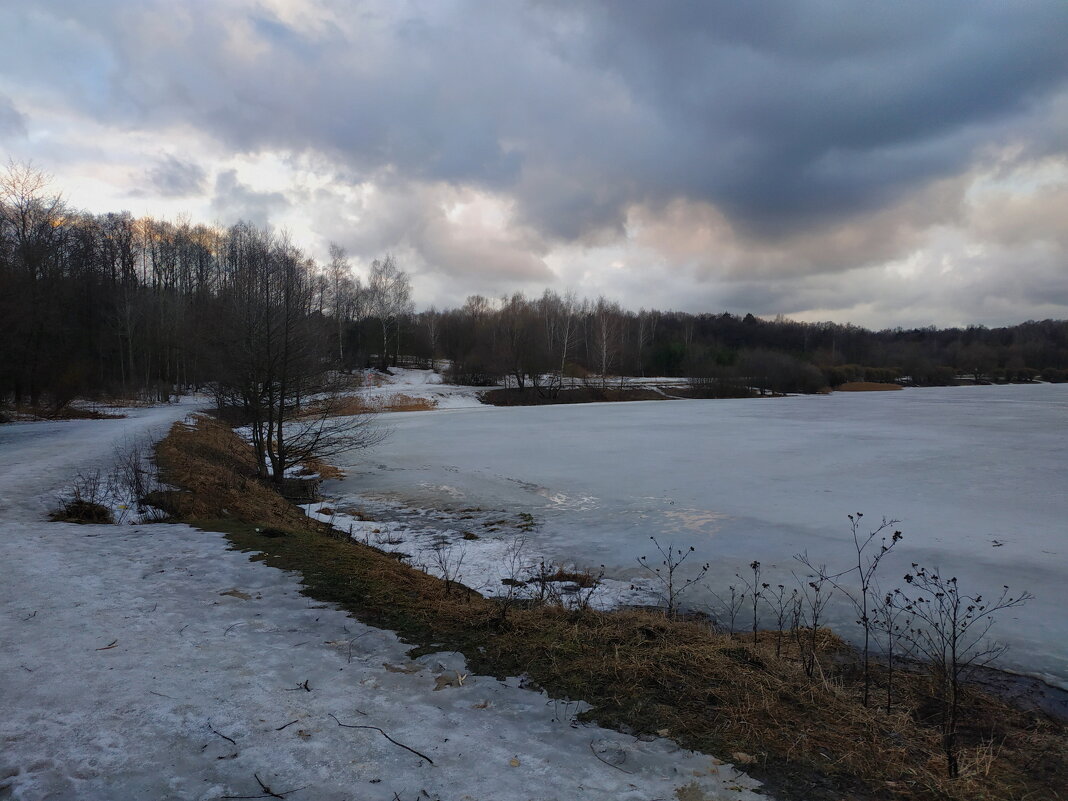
109	646
287	724
402	745
221	734
605	761
267	791
30	616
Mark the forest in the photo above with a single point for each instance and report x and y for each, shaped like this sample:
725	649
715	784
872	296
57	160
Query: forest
115	306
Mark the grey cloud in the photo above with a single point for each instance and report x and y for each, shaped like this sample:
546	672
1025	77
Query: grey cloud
976	292
174	177
411	219
818	141
12	121
783	114
234	200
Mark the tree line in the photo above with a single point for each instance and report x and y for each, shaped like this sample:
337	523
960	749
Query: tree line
109	305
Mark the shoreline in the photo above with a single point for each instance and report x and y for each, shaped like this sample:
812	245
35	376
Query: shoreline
1025	691
804	734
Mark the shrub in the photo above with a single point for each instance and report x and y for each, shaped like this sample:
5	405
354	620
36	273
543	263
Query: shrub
86	500
81	511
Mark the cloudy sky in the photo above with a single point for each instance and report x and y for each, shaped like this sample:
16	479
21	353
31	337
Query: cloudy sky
894	163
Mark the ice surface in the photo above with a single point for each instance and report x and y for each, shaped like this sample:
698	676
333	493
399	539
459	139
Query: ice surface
150	661
976	475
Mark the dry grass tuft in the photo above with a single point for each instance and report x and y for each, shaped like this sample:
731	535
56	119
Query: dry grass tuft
326	471
641	672
580	578
82	511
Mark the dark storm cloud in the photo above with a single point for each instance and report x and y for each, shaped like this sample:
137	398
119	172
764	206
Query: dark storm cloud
780	113
815	108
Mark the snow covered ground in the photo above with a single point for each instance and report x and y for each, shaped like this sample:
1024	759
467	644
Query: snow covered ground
976	475
151	662
424	384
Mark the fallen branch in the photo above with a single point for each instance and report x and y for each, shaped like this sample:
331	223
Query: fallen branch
287	724
109	646
402	745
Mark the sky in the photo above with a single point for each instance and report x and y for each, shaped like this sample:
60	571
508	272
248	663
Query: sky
884	164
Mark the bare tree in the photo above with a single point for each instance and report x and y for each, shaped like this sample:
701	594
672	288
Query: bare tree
781	604
950	631
449	561
606	321
891	622
342	288
755	591
860	594
672	585
272	368
390	291
731	605
30	217
815	594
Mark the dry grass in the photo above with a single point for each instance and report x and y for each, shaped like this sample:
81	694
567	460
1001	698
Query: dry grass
580	578
325	470
866	386
810	737
406	403
349	405
25	411
216	470
82	511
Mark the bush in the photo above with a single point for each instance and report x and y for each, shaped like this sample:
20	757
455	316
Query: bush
81	511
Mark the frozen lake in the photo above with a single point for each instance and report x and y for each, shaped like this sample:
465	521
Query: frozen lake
976	475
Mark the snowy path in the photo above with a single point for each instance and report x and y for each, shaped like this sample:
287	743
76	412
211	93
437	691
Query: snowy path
146	662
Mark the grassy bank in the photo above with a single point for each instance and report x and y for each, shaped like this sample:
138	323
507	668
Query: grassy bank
808	737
